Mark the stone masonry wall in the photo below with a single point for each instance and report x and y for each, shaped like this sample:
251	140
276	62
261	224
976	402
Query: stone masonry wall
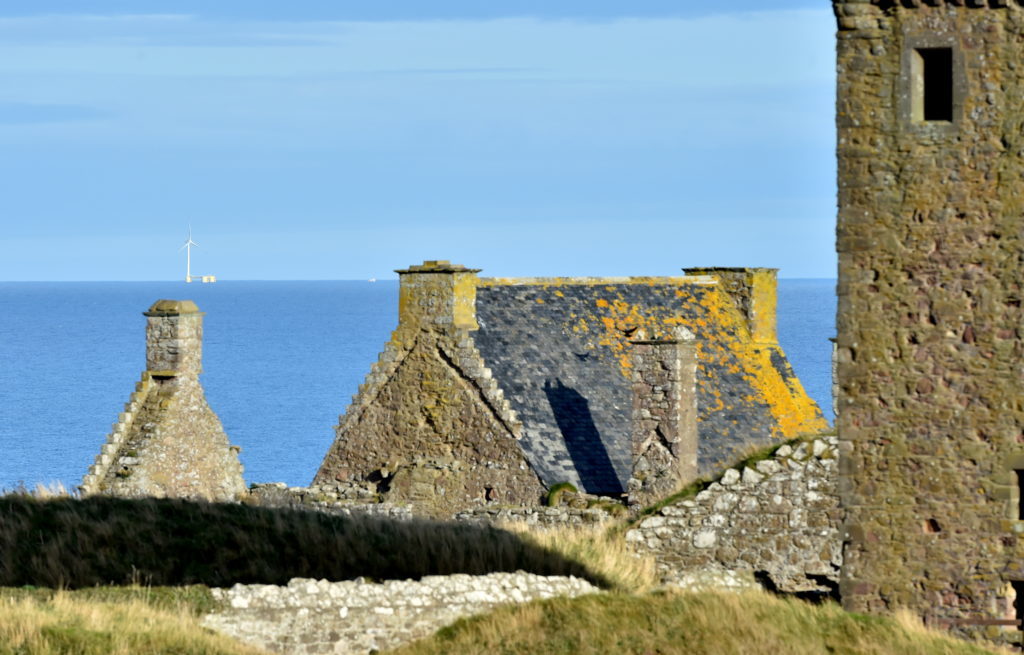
930	356
778	519
429	433
310	616
168	442
664	416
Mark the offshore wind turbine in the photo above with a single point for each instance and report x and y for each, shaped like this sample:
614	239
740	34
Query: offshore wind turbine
188	254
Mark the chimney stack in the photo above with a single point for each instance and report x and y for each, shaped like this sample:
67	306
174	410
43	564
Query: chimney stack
664	426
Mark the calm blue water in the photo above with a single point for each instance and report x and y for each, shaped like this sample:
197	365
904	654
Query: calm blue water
282	360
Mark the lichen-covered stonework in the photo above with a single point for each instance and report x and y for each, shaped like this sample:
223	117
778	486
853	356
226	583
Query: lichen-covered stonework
494	390
776	522
430	426
168	442
929	348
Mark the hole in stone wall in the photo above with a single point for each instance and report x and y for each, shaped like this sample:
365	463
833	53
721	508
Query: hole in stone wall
931	526
1018	602
1018	485
932	84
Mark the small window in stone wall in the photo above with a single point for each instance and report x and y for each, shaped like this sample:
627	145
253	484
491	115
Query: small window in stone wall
1018	487
932	85
1018	602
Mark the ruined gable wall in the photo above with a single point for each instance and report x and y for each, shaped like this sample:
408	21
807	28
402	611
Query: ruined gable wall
929	323
426	435
168	442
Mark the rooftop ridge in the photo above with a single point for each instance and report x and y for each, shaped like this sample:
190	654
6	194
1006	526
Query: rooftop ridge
916	4
554	281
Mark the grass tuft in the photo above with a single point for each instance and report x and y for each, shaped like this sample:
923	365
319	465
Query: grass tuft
604	550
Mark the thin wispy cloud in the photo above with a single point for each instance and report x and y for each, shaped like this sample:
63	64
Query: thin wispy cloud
676	125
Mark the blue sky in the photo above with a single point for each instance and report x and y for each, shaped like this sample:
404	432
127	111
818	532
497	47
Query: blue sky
341	140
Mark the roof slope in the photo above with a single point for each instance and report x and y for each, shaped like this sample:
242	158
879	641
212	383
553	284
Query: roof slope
559	349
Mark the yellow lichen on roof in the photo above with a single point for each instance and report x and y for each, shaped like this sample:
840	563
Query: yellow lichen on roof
724	345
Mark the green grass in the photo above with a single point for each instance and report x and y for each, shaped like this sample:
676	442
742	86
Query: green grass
71	543
196	599
684	624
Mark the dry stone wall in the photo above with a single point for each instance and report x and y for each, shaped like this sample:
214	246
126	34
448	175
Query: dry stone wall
777	521
317	616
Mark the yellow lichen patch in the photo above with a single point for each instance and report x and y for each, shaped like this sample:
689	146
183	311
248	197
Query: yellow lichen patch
725	346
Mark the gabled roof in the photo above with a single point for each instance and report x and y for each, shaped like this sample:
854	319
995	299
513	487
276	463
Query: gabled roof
559	349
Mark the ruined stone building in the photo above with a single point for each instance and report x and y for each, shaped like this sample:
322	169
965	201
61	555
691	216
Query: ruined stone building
930	409
498	389
168	442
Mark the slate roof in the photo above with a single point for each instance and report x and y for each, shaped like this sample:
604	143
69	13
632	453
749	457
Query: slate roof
559	350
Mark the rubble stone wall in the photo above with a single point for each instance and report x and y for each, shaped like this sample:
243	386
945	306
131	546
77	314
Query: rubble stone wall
777	520
310	616
930	348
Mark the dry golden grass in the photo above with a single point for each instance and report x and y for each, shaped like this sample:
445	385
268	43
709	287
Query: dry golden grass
602	549
62	625
683	624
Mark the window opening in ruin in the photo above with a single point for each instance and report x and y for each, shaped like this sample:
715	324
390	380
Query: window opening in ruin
1018	602
932	84
1019	487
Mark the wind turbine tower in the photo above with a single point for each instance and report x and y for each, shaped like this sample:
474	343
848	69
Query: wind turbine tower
188	260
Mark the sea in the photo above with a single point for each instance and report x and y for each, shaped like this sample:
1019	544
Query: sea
281	361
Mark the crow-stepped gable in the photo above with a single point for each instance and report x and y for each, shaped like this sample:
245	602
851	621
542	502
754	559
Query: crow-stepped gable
168	442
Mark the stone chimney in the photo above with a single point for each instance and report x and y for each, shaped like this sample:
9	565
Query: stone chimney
167	442
664	426
755	292
174	339
437	294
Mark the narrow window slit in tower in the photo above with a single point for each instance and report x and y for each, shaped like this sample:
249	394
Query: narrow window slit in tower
1019	488
933	84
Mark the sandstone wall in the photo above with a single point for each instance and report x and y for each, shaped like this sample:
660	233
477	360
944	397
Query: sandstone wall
310	616
929	355
776	521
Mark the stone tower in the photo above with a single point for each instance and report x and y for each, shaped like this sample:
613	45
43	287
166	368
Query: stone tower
930	408
168	442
